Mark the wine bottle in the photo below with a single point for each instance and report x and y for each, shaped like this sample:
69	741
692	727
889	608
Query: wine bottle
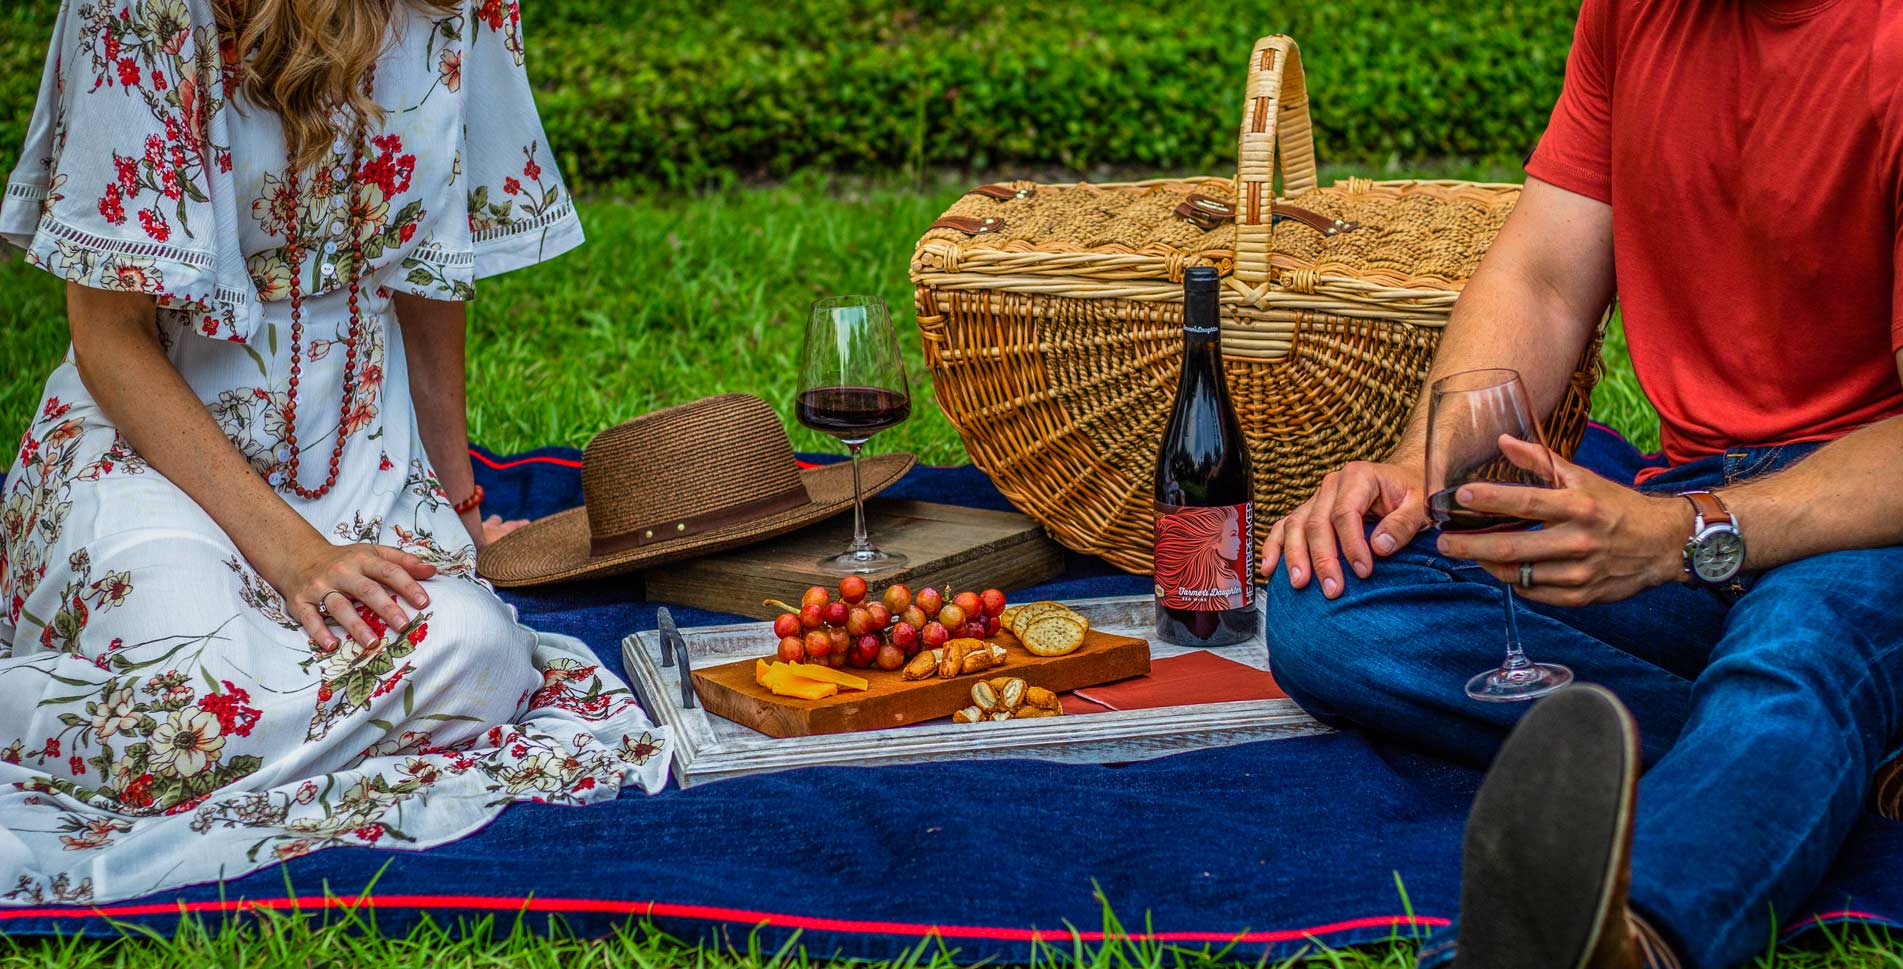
1205	522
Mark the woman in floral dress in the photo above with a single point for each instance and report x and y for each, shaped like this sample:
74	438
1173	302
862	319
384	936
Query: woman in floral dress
239	620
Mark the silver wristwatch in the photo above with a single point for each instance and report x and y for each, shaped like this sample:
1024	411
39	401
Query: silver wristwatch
1715	553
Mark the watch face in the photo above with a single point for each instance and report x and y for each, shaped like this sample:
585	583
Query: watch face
1719	555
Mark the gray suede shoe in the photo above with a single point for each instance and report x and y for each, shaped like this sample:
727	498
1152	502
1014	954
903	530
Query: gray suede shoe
1549	844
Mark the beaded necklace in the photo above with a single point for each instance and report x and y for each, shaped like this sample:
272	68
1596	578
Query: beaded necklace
290	461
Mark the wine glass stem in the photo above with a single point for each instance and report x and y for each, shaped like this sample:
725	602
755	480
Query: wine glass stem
859	542
1516	656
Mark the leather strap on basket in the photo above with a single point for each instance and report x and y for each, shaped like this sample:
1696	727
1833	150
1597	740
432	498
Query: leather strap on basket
1005	191
1211	213
1204	212
970	225
1314	220
1274	116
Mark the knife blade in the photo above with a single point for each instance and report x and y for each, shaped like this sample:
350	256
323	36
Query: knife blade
674	644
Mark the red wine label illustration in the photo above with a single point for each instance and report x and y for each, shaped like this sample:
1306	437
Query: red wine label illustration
1205	556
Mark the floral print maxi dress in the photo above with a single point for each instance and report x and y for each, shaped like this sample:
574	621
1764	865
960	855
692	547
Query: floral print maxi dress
162	720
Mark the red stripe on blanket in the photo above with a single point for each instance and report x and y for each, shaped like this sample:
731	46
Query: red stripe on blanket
1847	915
710	913
494	465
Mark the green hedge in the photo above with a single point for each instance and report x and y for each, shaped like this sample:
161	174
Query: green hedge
674	93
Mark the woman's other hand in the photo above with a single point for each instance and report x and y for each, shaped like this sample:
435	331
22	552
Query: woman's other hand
485	530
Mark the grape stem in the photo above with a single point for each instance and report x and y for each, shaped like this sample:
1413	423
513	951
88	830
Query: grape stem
777	604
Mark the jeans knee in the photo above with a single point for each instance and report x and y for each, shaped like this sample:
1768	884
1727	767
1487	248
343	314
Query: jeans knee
1312	646
1291	615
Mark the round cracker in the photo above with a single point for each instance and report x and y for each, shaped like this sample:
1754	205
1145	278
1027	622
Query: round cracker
1031	613
1053	636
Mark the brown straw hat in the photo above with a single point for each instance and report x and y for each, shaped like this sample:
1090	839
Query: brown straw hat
681	482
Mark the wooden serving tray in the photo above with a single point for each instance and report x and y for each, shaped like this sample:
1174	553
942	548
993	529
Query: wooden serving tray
706	748
893	701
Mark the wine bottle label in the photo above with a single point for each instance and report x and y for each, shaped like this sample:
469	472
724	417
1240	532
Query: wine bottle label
1205	557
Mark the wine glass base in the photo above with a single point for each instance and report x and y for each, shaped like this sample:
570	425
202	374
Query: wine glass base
1513	686
861	562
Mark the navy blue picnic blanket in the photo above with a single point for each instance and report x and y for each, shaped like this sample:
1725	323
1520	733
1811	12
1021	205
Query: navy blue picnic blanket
1263	846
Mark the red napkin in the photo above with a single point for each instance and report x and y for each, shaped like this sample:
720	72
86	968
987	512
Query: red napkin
1199	676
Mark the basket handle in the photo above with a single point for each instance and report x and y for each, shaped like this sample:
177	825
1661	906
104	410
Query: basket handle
1274	114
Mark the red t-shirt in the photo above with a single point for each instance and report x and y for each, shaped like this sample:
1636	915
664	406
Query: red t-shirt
1752	153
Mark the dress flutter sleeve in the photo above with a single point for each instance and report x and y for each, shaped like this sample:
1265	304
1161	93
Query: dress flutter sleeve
124	182
512	208
520	212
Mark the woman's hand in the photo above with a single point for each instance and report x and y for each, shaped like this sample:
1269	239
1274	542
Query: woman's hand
339	577
1599	541
1330	524
485	530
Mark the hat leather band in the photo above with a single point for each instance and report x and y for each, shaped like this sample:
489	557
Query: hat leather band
676	528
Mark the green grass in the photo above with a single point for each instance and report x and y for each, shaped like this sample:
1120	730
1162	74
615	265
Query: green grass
288	940
671	299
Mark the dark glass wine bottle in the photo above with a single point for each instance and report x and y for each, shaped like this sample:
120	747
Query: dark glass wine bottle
1205	523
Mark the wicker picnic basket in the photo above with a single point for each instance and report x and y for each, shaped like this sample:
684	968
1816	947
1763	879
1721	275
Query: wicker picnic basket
1052	319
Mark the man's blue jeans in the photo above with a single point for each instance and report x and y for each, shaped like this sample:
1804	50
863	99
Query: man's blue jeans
1764	709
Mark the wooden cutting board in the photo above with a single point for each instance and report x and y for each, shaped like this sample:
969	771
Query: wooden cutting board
949	547
893	701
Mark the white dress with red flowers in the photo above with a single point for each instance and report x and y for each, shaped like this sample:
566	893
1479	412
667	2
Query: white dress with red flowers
162	720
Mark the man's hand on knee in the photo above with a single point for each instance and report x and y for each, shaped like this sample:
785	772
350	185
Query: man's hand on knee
1330	525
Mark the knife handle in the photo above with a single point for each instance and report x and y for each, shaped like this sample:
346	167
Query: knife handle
687	676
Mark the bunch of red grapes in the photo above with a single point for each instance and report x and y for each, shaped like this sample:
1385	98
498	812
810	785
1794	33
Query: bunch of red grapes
849	631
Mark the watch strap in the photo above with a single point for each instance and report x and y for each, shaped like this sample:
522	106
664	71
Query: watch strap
1711	511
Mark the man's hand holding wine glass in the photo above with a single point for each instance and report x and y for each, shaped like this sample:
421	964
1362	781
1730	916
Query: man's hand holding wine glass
1597	541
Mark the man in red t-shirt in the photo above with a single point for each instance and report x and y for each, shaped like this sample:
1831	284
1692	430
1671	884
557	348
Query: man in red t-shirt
1733	169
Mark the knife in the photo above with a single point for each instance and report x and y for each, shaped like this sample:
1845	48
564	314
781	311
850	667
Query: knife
674	644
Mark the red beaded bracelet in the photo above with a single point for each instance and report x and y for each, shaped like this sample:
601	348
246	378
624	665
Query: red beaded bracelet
474	499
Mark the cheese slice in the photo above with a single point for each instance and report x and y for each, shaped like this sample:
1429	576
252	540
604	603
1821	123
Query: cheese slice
826	674
784	682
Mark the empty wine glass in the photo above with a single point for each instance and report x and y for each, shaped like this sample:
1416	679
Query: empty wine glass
1468	413
852	386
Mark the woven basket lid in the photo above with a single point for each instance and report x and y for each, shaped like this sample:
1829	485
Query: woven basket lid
1417	235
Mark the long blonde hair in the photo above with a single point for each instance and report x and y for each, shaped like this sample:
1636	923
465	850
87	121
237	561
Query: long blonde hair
305	58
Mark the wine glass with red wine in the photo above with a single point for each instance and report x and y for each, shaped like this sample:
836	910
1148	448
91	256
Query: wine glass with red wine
852	386
1468	413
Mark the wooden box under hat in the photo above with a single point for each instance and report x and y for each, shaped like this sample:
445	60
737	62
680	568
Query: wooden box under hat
948	547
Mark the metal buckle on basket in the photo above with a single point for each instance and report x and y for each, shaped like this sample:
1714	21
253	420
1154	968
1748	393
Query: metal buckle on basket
970	225
1004	192
1205	212
1323	224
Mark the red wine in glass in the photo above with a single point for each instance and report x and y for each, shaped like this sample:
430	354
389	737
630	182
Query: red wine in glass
852	386
1449	516
852	412
1468	416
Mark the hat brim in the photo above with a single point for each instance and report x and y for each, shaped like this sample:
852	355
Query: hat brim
556	548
